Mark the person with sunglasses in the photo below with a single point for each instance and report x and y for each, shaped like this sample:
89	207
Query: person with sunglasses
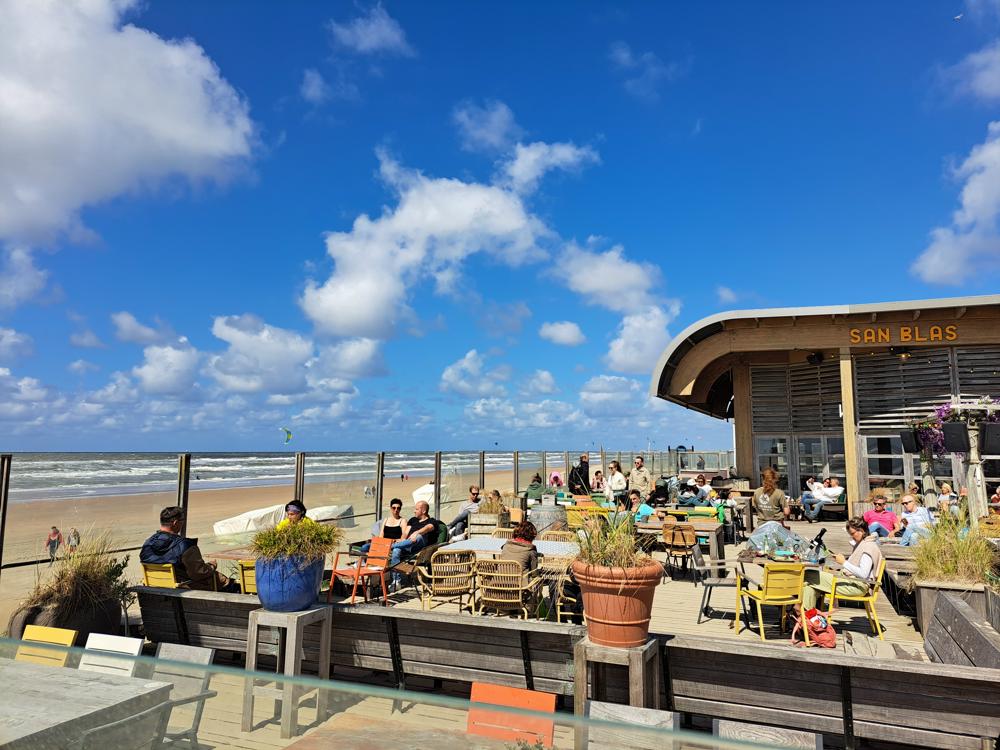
640	478
917	522
470	506
881	520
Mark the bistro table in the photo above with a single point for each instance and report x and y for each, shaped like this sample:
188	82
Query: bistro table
44	706
487	545
708	529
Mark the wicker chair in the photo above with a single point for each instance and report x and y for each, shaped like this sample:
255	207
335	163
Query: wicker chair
558	536
678	540
565	604
503	534
504	585
451	578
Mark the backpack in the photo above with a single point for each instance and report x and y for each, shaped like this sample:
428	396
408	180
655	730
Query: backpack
821	631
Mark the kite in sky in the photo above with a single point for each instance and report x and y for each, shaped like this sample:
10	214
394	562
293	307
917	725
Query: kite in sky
288	434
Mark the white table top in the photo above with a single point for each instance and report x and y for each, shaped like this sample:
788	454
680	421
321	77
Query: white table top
45	706
488	544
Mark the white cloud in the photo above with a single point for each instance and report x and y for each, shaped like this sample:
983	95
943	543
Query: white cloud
978	74
485	415
20	280
607	278
13	344
352	358
436	224
541	383
82	366
644	73
469	377
971	244
498	319
640	340
85	339
490	127
169	369
314	89
91	107
530	162
336	409
726	295
260	357
564	333
130	330
119	390
610	396
377	32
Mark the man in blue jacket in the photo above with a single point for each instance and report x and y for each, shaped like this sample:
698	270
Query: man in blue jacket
168	546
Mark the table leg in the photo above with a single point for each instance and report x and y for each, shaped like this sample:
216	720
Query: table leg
289	709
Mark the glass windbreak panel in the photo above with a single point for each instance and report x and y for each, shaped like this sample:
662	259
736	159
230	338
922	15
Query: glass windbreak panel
529	464
500	473
895	486
555	461
685	461
458	472
408	476
712	462
879	446
341	488
110	500
142	698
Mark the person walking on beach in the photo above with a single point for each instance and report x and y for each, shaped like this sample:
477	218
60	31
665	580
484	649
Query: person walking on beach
53	541
72	540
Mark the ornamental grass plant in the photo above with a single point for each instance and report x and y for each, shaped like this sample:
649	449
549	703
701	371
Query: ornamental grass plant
309	540
611	542
955	552
491	505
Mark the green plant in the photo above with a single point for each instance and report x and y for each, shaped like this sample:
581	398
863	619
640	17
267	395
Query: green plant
611	542
954	552
523	745
85	579
491	505
305	539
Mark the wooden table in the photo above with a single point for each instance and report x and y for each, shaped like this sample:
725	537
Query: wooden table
46	706
711	530
230	553
487	545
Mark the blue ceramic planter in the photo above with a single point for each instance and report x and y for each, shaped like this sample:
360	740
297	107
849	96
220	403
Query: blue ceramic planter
288	584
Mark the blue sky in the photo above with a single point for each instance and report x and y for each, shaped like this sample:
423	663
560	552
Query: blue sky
455	225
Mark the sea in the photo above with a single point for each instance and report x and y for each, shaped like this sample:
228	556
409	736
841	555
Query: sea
48	476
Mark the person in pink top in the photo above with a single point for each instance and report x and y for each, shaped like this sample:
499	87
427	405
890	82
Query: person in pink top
880	520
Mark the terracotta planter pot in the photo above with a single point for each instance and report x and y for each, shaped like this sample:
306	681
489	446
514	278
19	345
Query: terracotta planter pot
617	602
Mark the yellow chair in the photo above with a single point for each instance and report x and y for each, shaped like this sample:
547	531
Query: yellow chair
867	599
160	575
577	516
248	576
782	587
40	654
516	515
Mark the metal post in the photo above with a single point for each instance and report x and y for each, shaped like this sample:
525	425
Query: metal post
545	471
482	470
567	465
183	485
437	485
517	474
379	483
299	492
5	462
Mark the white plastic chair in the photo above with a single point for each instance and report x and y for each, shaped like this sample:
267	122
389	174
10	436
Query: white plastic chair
110	654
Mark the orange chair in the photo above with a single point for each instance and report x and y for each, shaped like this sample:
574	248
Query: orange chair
374	562
510	726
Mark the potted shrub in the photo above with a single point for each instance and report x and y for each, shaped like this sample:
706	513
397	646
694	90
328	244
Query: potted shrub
617	580
85	591
492	514
955	558
290	563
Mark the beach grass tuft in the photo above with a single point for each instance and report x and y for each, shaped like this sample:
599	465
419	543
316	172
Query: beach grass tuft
611	542
309	540
954	552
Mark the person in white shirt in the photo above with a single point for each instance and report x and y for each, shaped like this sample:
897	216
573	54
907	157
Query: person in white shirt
917	522
820	494
616	483
857	572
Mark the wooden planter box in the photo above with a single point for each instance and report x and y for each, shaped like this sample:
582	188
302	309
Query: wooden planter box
960	636
483	524
927	592
993	608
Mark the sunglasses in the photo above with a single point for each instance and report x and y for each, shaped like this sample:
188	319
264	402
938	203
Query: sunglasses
396	507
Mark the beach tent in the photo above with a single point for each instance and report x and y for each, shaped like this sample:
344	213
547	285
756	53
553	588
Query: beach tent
266	518
424	492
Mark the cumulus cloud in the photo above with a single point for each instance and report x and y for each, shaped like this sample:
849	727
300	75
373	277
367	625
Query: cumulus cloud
82	367
607	278
529	163
13	344
86	339
374	33
168	369
644	73
260	357
314	89
490	127
91	107
469	377
498	319
352	358
641	338
978	74
485	414
610	396
726	295
435	225
563	332
542	382
130	330
971	243
20	280
119	390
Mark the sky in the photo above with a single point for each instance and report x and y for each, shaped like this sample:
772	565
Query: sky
449	225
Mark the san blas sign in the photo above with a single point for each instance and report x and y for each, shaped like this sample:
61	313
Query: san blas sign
908	334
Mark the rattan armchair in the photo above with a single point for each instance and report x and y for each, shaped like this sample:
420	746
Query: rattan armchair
558	536
451	578
503	533
504	585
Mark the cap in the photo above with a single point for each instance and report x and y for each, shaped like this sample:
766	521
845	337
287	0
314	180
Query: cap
692	483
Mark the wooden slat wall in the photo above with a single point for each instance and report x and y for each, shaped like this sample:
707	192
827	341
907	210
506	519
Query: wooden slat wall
978	371
800	398
891	391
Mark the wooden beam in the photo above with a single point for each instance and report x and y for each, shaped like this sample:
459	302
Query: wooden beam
853	479
743	422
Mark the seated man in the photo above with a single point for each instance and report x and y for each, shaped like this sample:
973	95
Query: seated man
917	522
880	520
421	530
457	526
820	493
640	510
168	546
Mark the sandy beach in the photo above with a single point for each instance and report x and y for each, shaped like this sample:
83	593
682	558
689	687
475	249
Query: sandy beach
132	518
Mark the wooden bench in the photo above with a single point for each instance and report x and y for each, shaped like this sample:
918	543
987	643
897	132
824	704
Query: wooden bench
401	642
959	635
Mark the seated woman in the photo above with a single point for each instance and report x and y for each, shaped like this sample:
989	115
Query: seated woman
392	527
948	500
521	547
692	497
295	512
555	480
858	571
536	489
